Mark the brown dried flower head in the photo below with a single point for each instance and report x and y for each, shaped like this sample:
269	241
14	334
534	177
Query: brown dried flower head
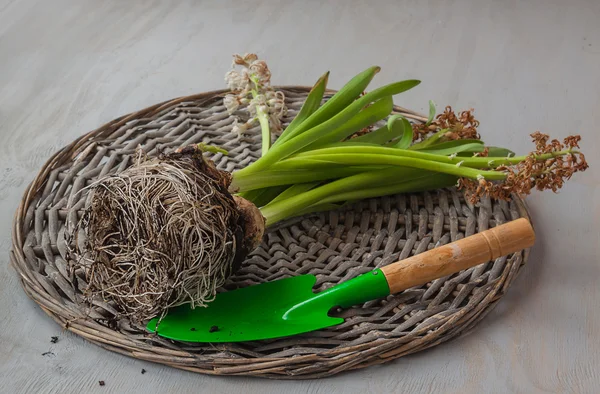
461	126
547	168
484	153
245	60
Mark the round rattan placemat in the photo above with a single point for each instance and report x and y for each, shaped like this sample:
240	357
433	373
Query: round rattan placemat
335	246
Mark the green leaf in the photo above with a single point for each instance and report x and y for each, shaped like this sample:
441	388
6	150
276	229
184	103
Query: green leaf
368	116
467	148
495	151
407	132
397	157
429	141
431	112
424	181
350	142
380	136
453	143
346	95
268	178
351	188
311	104
455	146
293	190
261	197
492	152
319	208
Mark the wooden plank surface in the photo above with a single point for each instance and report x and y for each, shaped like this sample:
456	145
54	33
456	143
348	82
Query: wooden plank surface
67	67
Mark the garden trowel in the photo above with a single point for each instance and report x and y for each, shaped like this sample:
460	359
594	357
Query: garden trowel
289	306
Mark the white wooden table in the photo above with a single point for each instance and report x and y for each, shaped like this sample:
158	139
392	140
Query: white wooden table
67	67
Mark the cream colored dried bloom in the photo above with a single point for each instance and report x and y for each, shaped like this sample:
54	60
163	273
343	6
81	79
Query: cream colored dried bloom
231	103
233	79
260	69
259	101
240	128
276	103
250	84
275	122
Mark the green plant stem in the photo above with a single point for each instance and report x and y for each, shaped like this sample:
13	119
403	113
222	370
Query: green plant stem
407	133
391	160
352	187
366	117
268	178
474	162
311	104
263	119
295	189
426	182
312	167
348	93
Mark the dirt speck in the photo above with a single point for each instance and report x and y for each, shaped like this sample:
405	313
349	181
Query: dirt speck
143	371
53	339
101	382
214	329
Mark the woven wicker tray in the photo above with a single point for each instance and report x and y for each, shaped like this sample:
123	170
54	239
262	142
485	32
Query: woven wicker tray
335	246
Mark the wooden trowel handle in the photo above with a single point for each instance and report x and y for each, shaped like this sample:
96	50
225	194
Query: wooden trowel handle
454	257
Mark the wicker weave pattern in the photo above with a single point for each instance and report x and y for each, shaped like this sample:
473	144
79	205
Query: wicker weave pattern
334	246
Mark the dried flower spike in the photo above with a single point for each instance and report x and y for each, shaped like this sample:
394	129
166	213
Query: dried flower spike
250	85
546	168
461	126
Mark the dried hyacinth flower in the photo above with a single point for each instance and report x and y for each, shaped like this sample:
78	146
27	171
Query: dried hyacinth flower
260	69
238	82
454	127
257	102
241	128
484	153
251	87
546	168
231	102
276	102
244	60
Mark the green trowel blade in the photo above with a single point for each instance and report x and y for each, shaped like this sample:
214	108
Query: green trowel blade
270	310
